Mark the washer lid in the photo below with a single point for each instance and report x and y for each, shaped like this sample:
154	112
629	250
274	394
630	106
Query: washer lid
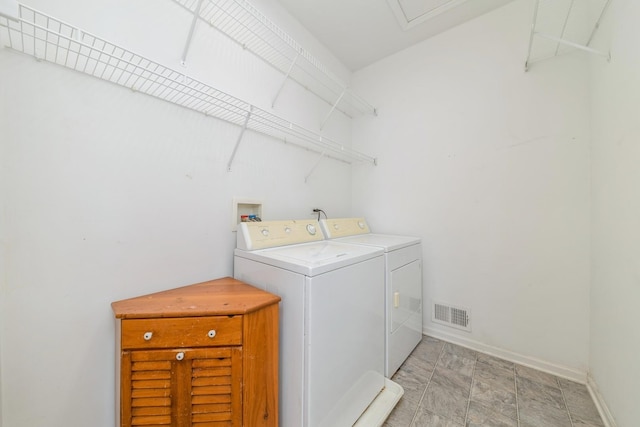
386	241
312	259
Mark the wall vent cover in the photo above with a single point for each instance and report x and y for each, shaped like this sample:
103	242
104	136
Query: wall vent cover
456	317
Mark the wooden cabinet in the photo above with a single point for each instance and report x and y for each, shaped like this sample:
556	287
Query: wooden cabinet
204	355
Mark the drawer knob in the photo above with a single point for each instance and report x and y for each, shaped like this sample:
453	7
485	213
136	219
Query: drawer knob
180	356
211	333
147	336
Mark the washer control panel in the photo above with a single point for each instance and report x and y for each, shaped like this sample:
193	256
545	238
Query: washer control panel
343	227
269	234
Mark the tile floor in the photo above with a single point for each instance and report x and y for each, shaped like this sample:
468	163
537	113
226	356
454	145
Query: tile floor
451	386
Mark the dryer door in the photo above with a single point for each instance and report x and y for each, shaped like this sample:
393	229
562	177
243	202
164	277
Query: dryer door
404	314
406	293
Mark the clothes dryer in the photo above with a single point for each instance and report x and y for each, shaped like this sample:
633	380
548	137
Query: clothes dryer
403	284
331	322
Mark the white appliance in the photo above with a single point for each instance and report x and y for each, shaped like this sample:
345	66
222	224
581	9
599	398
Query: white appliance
331	322
403	284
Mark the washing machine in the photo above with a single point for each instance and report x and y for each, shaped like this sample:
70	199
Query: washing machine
331	322
403	284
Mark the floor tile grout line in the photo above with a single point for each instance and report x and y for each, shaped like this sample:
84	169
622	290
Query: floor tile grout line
564	400
473	379
415	413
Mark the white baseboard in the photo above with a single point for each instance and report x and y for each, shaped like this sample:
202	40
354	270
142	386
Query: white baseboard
605	414
541	365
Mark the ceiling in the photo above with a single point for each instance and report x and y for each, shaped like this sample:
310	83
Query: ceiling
361	32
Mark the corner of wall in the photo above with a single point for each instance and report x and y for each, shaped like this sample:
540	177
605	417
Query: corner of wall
521	359
615	207
3	280
3	263
601	405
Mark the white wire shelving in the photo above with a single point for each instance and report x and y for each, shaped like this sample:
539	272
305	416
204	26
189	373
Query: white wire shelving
49	39
561	26
246	25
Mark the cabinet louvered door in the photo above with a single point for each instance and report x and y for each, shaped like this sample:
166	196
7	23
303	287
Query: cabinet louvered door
182	387
215	387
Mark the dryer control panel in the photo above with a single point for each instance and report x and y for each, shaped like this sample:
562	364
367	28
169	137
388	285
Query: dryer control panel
343	227
269	234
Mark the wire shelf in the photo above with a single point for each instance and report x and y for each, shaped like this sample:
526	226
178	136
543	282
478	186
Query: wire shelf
246	25
562	26
49	39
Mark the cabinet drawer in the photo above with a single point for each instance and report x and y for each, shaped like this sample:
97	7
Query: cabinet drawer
181	332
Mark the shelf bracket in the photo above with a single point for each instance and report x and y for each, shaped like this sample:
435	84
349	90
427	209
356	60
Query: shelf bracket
533	30
244	128
313	169
335	104
597	25
607	55
9	17
564	26
196	14
561	40
284	80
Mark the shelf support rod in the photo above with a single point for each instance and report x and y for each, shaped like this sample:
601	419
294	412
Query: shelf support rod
575	45
9	17
284	80
564	26
313	169
244	128
533	30
595	28
196	13
335	104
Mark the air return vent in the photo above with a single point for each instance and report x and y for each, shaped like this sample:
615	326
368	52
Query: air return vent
456	317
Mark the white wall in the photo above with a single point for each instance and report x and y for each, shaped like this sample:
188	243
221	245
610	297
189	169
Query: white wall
490	166
7	7
3	258
615	341
109	194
